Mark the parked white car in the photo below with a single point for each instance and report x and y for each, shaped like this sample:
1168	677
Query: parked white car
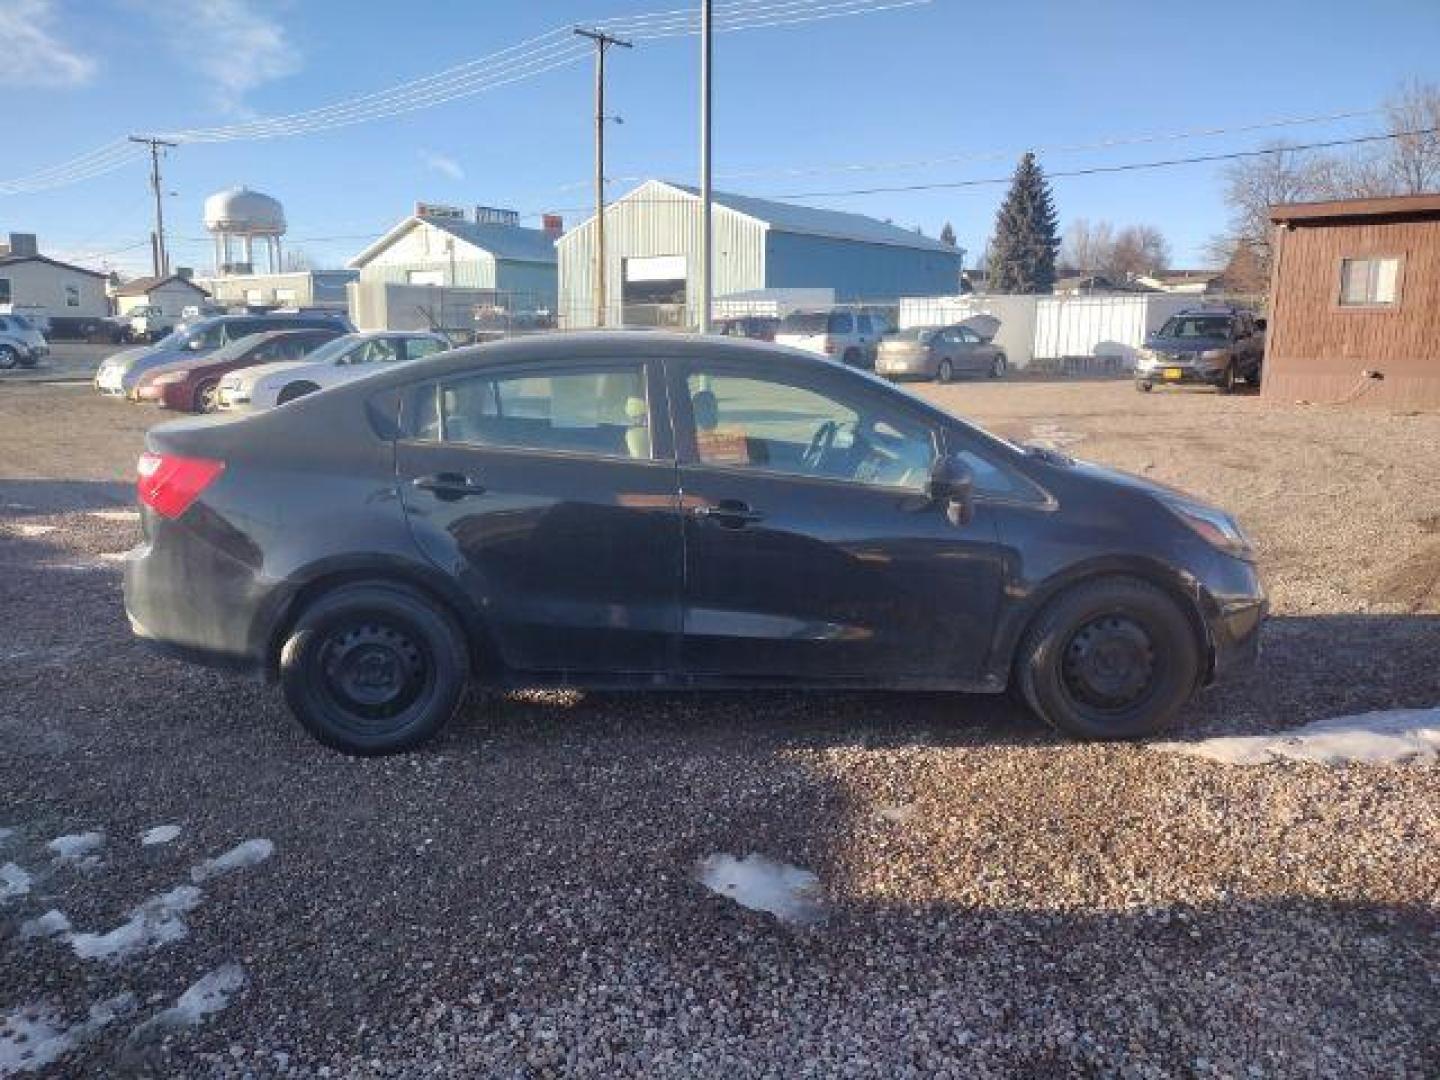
268	385
851	336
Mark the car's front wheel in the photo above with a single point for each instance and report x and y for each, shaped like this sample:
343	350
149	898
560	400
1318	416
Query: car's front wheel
1230	380
997	367
1113	658
206	397
9	358
374	668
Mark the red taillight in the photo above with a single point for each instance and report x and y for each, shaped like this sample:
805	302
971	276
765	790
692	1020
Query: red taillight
169	484
830	347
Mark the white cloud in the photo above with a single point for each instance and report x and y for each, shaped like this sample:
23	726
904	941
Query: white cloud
32	55
447	166
234	44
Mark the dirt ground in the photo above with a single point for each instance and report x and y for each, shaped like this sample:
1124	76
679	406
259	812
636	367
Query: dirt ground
521	899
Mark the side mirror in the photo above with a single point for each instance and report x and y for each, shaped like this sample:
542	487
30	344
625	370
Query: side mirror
953	483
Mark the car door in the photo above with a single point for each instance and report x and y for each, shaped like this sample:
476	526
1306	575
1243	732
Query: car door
813	552
969	350
549	492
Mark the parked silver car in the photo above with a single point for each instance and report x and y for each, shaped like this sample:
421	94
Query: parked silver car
939	353
21	344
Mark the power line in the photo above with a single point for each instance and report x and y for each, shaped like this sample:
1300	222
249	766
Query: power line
524	60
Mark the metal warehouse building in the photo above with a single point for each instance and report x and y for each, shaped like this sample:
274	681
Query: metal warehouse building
653	243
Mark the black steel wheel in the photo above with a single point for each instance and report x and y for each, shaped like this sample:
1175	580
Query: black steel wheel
207	396
1112	658
374	668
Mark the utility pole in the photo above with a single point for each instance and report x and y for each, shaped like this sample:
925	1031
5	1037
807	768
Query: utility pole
157	241
602	42
707	237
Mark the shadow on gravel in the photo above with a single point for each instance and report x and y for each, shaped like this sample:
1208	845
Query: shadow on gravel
59	496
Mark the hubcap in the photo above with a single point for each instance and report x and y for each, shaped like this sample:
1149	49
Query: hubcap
1109	662
374	671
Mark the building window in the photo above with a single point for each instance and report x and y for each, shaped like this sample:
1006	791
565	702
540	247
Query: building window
254	297
1370	282
4	290
72	295
285	296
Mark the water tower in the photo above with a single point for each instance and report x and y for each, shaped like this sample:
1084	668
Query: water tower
244	215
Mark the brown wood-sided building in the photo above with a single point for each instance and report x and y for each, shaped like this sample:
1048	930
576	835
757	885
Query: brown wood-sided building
1355	289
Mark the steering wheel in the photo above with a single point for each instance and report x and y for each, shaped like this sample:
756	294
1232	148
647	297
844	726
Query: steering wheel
820	444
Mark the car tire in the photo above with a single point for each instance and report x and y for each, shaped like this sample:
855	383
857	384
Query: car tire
205	397
1144	387
851	358
295	390
1111	658
9	358
945	372
1229	380
997	369
374	668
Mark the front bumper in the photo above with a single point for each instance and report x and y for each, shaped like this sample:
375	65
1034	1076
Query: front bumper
902	367
1180	373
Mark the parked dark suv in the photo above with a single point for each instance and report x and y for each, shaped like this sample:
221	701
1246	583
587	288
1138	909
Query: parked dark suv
649	510
1216	346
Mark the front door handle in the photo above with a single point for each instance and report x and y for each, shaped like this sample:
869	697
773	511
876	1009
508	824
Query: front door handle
728	513
448	485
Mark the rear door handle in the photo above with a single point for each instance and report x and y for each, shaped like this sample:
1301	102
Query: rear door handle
729	513
449	485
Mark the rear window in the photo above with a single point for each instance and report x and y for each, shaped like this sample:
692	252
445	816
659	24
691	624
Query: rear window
805	322
1196	326
602	412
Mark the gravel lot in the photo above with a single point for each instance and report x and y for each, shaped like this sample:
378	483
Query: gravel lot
521	899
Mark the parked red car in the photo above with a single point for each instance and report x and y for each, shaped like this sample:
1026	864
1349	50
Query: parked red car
190	385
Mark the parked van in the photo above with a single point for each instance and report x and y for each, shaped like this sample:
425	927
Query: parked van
850	336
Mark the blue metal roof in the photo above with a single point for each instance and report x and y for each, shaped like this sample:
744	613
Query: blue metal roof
812	221
502	241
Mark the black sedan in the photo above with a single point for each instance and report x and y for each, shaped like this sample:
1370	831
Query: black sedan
649	510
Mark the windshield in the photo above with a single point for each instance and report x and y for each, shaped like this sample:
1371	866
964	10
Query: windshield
1196	326
805	322
332	350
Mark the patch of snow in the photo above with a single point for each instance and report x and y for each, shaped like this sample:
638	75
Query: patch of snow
1377	738
160	834
209	994
240	856
34	1036
52	924
1053	436
113	556
77	847
14	881
158	921
761	884
34	530
115	515
896	814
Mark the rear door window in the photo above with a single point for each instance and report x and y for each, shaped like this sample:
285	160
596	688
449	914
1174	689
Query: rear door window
596	411
841	322
416	348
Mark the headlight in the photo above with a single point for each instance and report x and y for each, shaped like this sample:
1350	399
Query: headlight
1215	527
1215	356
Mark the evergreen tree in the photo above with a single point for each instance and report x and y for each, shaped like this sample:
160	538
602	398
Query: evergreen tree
1022	252
947	235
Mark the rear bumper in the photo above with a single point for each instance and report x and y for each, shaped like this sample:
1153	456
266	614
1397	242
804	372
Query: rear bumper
220	624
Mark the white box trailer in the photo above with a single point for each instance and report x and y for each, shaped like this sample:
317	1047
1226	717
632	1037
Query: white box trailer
1114	327
1051	329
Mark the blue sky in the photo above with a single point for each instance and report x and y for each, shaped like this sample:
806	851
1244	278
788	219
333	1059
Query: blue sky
944	80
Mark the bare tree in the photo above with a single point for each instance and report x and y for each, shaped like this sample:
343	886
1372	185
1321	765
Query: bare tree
1087	247
1412	163
1138	249
298	259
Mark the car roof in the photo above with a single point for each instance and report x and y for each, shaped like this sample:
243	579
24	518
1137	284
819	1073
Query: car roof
594	345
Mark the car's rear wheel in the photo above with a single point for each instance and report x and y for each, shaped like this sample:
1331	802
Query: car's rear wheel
997	368
945	372
295	390
374	668
206	399
9	358
1113	658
